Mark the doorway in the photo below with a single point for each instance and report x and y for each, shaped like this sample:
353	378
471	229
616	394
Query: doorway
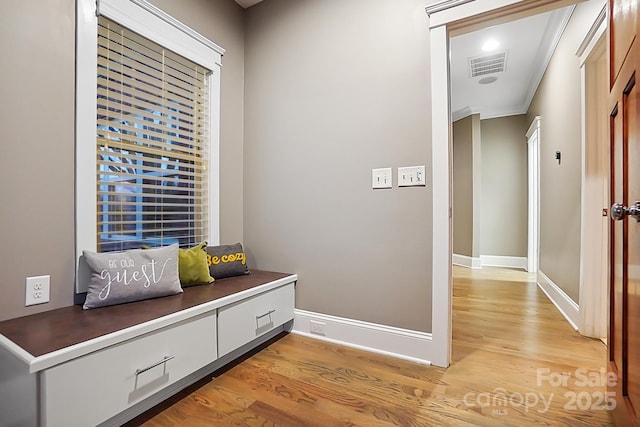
594	267
449	18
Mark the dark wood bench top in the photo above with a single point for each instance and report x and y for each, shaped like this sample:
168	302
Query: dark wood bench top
53	330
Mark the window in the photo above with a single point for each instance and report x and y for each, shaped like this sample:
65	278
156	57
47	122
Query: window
147	120
152	157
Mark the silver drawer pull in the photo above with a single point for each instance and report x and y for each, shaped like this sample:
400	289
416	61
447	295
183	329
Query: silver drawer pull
165	360
268	313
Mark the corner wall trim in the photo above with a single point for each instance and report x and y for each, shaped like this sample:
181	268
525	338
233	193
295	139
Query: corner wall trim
594	32
413	346
444	5
504	261
567	307
474	263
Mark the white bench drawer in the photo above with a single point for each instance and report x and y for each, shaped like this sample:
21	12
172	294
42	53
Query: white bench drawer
246	320
91	389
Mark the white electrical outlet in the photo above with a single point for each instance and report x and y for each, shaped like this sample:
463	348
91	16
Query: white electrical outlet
316	327
381	178
37	290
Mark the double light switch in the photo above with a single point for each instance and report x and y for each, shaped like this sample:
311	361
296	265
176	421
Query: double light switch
381	178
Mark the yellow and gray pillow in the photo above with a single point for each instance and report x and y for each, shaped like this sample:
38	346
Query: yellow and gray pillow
227	260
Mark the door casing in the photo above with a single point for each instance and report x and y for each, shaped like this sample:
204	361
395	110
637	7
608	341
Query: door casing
448	18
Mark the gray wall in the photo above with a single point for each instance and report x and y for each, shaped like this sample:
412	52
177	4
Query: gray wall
557	101
335	88
37	190
503	229
466	195
37	163
490	186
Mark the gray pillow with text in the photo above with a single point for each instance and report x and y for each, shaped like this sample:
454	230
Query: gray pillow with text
226	261
137	274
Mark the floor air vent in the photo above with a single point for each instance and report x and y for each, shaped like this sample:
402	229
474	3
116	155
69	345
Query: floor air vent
487	64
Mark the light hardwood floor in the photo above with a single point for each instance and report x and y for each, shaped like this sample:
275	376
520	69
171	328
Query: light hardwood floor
516	362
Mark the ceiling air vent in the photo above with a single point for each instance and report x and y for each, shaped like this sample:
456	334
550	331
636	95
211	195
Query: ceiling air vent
487	64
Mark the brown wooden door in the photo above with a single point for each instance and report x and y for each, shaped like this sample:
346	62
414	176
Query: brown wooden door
624	327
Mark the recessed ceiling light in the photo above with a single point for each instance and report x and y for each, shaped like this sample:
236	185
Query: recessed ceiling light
487	80
489	45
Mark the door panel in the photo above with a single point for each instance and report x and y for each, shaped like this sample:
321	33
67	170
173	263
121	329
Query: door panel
624	303
623	15
617	231
633	250
624	345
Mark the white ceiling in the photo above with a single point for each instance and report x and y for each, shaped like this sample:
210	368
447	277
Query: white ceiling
247	3
529	44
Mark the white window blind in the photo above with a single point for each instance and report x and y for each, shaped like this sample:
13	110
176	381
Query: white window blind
152	143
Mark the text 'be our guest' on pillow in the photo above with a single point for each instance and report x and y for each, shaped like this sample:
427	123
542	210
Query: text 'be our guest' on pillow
137	274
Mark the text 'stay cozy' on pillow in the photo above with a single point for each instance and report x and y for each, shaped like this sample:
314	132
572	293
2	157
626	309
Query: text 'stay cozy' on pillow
227	261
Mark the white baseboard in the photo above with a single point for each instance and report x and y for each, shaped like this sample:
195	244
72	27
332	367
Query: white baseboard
396	342
567	307
504	261
474	263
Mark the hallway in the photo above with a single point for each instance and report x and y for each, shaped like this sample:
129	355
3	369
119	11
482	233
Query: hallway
516	362
510	337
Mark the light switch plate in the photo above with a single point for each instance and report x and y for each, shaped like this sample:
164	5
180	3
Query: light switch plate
381	178
411	176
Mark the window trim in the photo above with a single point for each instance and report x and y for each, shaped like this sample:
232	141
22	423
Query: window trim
149	21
